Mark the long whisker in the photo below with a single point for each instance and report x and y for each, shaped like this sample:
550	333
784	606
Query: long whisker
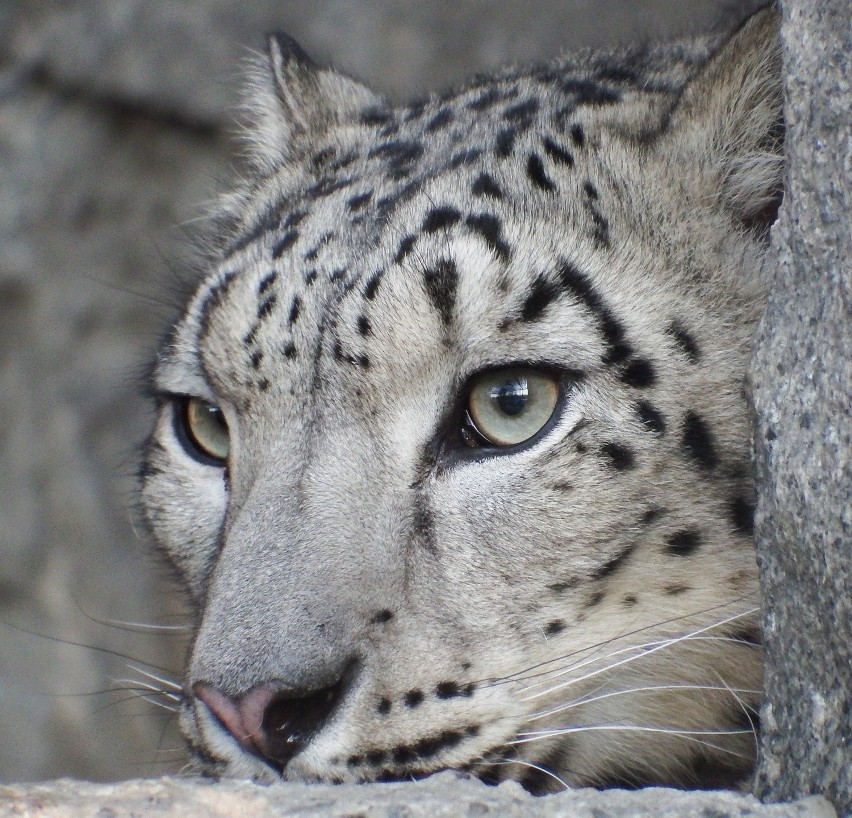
687	735
531	766
646	650
590	699
163	680
153	688
528	672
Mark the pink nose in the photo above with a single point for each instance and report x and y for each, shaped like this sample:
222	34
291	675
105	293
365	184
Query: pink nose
269	721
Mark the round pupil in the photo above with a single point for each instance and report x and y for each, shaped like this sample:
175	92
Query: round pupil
511	396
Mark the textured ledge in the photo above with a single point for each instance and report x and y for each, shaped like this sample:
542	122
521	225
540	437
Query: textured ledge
441	795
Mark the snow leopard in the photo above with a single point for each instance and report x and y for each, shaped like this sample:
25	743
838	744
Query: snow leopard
452	448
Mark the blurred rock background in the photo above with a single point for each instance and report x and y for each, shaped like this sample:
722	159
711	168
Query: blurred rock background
115	118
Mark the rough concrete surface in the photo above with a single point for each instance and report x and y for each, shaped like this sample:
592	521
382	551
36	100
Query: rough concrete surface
803	395
442	795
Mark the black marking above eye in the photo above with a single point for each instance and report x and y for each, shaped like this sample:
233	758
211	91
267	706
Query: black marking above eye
284	243
542	293
618	456
485	185
651	417
578	135
441	280
685	341
558	153
639	374
488	226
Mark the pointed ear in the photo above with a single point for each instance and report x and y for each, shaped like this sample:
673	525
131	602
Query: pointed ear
291	102
728	125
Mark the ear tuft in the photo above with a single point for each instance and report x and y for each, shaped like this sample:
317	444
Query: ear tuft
728	125
291	103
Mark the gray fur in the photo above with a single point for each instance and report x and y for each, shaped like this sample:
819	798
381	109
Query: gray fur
600	216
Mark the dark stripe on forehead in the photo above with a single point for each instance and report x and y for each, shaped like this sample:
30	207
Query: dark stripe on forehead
441	281
488	226
579	286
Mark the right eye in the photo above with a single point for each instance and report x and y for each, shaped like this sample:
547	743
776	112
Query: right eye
202	430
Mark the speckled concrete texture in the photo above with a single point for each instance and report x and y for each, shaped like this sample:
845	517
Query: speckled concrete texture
442	796
803	398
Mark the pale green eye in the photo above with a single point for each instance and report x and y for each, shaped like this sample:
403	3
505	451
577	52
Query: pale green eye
205	430
509	406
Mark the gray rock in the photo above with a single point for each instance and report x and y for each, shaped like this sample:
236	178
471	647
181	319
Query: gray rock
437	797
803	399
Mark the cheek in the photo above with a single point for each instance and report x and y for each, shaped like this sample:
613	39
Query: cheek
184	504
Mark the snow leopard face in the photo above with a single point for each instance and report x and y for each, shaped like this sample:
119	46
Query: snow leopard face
453	450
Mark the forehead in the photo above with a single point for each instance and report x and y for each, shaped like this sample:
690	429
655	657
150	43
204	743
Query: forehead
433	212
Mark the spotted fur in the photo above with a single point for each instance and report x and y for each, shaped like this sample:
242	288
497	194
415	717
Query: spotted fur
377	600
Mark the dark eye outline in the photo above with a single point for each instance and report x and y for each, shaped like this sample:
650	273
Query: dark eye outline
183	431
463	441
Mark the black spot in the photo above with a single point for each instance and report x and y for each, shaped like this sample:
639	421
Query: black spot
619	457
403	755
250	337
581	288
405	247
522	111
578	136
328	185
266	282
610	567
685	341
590	189
266	306
557	153
465	157
354	761
698	441
587	92
357	202
595	599
428	746
263	385
471	730
468	689
675	589
742	514
284	243
443	118
364	325
652	514
441	282
505	142
651	417
376	757
312	254
256	358
561	485
629	599
535	171
413	698
683	543
488	226
290	351
269	221
399	154
450	738
384	706
639	373
423	526
490	97
337	275
382	616
372	285
295	308
440	218
554	627
310	277
542	293
484	185
447	690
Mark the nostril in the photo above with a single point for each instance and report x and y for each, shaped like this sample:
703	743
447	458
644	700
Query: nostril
271	721
289	722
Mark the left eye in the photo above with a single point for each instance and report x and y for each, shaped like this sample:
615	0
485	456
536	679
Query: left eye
509	406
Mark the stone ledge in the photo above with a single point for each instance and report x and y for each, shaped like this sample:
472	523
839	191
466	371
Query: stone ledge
440	795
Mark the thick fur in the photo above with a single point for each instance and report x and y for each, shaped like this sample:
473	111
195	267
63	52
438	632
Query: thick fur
579	609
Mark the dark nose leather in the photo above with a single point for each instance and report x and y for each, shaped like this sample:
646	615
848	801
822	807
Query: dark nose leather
270	721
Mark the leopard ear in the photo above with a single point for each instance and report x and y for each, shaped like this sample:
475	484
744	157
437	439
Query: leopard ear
291	102
728	125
